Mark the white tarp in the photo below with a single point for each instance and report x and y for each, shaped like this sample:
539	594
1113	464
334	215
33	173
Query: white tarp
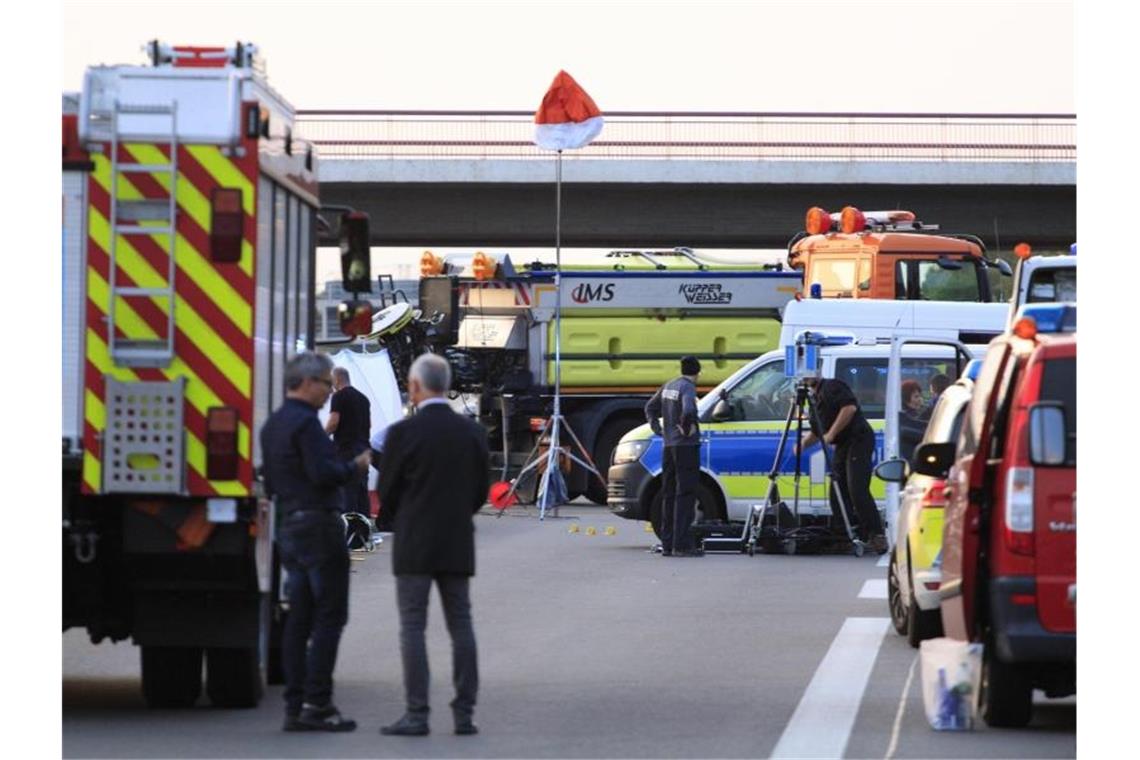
373	376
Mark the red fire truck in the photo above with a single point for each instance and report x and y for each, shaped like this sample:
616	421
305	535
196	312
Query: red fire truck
189	239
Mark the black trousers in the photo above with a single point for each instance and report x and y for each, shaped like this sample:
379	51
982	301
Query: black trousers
314	553
852	471
412	593
680	473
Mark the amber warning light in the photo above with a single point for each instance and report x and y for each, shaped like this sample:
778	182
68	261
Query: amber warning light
817	221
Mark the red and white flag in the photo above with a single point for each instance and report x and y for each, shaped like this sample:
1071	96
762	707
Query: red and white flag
568	117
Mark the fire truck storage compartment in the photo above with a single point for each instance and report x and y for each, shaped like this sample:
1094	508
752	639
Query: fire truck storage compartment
645	351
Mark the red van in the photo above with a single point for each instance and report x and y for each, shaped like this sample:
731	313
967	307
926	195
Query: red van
1009	551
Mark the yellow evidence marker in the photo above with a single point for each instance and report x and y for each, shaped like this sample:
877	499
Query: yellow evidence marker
591	531
611	531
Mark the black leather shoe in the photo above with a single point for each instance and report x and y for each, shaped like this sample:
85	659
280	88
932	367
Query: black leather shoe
407	726
465	728
292	723
666	552
690	553
326	718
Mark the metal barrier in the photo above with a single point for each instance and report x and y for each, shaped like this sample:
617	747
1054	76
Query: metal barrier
721	136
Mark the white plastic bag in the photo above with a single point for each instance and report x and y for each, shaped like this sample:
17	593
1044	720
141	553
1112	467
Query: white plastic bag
951	677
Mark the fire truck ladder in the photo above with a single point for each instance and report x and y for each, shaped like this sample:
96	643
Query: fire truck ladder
143	218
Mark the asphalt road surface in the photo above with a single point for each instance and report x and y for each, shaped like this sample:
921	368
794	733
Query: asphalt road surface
591	647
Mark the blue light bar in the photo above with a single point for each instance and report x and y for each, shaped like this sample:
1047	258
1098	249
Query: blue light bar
807	337
1073	249
1050	317
973	369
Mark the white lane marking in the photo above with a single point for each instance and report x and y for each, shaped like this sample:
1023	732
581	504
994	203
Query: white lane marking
902	709
874	589
884	561
822	721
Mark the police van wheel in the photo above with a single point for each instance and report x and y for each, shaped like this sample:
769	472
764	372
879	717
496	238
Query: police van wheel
171	676
233	677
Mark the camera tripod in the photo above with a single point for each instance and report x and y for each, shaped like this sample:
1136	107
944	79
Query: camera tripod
789	538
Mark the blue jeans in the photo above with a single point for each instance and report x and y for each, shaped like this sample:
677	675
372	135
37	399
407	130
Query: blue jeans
314	553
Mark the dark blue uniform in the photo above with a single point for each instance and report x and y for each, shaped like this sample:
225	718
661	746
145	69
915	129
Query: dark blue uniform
304	475
854	451
676	403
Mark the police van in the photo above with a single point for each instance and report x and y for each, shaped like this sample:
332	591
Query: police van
740	436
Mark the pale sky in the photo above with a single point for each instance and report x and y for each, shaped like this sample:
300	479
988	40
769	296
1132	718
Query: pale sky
803	56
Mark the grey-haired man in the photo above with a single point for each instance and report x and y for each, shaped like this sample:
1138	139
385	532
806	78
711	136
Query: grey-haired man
304	474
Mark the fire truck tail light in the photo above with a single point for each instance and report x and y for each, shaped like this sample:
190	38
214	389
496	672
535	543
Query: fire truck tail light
817	221
852	220
226	222
222	443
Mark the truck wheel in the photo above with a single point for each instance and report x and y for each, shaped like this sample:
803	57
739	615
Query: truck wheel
1006	698
899	610
233	677
604	447
171	676
707	508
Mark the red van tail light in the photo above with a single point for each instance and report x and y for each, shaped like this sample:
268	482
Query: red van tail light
1019	510
934	497
222	443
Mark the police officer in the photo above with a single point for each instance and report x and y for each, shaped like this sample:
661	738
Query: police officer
845	427
676	403
304	474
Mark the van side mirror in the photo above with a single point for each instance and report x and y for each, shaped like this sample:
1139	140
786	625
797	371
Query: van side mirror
722	412
893	471
1047	434
1004	268
355	254
934	459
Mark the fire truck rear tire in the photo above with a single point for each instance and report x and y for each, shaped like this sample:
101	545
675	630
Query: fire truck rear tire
233	677
171	676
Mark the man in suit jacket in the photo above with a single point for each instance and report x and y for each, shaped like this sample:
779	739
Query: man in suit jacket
433	479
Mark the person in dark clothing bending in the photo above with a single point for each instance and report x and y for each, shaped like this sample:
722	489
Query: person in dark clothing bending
349	420
304	475
676	403
845	427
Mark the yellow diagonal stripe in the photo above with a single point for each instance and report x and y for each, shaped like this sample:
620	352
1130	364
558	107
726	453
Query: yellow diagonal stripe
92	471
198	393
224	172
192	201
212	346
188	258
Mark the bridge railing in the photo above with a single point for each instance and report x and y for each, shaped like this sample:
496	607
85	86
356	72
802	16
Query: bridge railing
659	135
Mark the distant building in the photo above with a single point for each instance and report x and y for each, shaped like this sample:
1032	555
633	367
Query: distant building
330	294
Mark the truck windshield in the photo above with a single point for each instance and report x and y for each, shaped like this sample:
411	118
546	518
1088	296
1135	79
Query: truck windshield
1052	284
841	277
926	280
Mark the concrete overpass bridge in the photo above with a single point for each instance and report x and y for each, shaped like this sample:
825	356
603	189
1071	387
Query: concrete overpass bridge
730	180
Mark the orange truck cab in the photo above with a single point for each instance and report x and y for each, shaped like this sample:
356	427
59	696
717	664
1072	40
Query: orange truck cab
889	255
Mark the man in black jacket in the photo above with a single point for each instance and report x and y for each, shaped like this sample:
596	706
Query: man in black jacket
304	474
433	479
350	417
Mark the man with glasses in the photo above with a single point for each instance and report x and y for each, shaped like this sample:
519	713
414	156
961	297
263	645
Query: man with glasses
304	475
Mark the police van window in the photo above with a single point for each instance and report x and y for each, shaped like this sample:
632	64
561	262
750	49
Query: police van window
867	379
1052	285
763	395
835	276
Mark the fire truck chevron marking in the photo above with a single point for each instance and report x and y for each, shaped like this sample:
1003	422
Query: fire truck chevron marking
195	329
231	302
224	172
